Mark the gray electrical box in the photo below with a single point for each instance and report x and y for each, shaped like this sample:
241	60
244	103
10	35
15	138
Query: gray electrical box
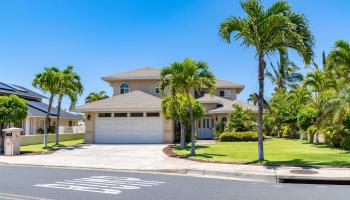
12	141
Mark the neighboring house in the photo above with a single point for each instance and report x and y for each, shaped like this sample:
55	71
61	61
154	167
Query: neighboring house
133	114
34	123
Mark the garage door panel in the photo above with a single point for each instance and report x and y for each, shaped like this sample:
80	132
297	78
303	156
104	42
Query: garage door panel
129	130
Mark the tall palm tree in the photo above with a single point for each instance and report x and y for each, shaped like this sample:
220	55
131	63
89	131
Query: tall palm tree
47	81
188	77
285	73
69	85
268	31
95	96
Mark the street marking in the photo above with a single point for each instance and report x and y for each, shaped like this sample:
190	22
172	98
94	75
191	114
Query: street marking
19	197
102	184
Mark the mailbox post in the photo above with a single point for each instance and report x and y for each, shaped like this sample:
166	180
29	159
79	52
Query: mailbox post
12	141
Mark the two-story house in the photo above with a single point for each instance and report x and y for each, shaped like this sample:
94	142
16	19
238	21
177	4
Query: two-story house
133	113
34	122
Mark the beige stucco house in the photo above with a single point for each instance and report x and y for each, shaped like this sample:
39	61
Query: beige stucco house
133	113
34	122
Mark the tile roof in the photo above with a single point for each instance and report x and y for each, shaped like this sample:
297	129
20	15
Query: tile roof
207	98
148	73
133	101
228	107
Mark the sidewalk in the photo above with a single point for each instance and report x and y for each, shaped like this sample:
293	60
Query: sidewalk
152	159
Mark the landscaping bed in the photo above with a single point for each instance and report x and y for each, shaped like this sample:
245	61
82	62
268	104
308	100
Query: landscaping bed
39	148
278	151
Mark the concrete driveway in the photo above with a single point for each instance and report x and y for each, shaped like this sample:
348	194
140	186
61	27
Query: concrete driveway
139	157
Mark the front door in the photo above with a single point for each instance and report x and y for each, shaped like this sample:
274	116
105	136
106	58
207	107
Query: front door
205	128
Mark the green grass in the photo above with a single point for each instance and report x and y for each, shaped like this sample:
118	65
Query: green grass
278	151
39	148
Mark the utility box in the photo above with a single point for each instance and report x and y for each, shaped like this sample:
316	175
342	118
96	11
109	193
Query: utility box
12	141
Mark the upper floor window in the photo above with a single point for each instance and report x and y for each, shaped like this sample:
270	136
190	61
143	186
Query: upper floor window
156	88
124	88
225	93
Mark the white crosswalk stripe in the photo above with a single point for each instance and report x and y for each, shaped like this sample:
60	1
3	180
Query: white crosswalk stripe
102	184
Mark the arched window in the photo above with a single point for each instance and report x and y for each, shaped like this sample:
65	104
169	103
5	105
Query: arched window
156	88
124	88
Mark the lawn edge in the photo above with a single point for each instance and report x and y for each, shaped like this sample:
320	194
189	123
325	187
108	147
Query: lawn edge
169	151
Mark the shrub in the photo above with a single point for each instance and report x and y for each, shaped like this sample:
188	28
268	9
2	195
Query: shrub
239	136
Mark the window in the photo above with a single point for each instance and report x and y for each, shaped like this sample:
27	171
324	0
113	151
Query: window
120	114
203	123
207	122
124	88
136	114
70	123
225	93
152	114
156	88
199	123
104	115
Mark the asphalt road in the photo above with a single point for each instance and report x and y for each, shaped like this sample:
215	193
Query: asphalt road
32	183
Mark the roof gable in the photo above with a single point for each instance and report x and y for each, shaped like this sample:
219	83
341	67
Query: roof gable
146	73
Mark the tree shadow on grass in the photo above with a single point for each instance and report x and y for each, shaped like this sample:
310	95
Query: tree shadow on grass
205	155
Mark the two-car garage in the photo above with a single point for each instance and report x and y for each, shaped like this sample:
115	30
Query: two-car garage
128	128
131	118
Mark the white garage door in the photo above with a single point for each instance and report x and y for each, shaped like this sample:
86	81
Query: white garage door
110	129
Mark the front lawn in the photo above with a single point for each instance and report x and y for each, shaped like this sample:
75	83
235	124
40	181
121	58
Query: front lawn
38	148
278	151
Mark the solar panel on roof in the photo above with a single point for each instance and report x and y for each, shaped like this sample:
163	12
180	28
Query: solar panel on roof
41	106
6	87
17	88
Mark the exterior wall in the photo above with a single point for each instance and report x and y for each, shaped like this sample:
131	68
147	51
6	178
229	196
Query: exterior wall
233	93
89	128
169	131
38	139
147	86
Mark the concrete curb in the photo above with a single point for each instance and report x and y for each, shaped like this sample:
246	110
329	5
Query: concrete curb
186	172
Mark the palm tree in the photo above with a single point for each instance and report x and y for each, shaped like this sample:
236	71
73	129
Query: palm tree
268	31
339	59
186	77
174	107
319	82
285	74
47	81
69	85
95	96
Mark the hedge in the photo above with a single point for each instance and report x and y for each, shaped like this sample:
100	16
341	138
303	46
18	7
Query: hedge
239	136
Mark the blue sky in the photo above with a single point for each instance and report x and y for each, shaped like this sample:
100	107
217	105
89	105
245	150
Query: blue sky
104	37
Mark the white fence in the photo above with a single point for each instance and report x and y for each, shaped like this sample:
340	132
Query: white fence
71	129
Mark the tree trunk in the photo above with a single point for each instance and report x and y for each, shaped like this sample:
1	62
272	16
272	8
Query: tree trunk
182	134
317	137
193	147
261	76
58	120
47	124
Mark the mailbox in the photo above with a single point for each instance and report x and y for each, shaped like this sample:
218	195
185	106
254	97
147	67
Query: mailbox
12	141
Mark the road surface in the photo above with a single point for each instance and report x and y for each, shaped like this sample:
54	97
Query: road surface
34	183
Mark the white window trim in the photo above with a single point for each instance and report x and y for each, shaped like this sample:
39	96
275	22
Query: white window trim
120	89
